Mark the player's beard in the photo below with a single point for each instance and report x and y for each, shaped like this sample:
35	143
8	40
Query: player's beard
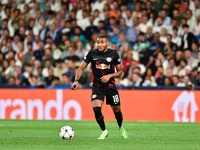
103	49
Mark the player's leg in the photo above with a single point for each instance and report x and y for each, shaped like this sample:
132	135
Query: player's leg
97	102
119	118
118	115
113	99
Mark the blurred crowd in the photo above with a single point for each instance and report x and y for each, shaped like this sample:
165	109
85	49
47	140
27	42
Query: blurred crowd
43	42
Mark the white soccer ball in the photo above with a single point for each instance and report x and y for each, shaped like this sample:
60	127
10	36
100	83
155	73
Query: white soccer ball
66	132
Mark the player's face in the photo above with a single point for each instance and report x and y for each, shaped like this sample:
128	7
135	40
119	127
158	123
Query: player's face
102	44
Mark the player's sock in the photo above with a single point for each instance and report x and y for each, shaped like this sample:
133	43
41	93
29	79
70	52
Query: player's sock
99	117
118	116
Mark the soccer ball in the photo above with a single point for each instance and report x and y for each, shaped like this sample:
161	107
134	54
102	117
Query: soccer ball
66	132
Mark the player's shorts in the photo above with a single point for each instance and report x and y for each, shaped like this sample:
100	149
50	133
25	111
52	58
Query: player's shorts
112	95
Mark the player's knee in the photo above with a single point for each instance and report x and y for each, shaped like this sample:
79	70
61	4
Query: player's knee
116	109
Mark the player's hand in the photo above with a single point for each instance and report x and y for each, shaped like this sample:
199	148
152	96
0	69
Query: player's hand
74	85
105	78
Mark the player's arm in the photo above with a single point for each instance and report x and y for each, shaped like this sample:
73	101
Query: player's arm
78	75
117	74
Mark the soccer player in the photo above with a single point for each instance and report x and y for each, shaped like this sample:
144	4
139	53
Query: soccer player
103	62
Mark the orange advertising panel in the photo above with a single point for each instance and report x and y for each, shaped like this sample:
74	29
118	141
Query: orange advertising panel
137	105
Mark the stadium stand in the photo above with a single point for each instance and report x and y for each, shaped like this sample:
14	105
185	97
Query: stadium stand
42	42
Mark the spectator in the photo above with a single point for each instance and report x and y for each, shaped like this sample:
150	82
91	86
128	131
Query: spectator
196	61
55	82
196	12
85	22
55	34
122	41
15	43
60	69
78	33
11	80
175	38
126	63
168	81
80	52
196	31
169	73
157	27
55	6
37	55
80	10
175	80
36	65
33	10
187	38
99	5
43	31
56	52
72	55
20	54
40	77
181	67
149	75
156	45
45	70
143	43
178	56
149	8
48	56
113	24
189	58
191	20
170	47
161	80
115	37
28	57
166	19
137	13
144	24
97	18
131	35
45	13
194	76
185	8
27	74
158	5
49	79
129	18
146	57
163	35
51	18
123	51
177	16
10	70
164	61
148	82
149	34
22	34
136	79
90	29
186	82
122	26
113	11
25	14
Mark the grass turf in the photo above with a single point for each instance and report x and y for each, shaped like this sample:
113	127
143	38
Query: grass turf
43	135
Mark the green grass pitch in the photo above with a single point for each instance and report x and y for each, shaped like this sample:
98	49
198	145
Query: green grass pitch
43	135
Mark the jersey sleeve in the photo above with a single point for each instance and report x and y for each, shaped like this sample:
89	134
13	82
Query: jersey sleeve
117	59
88	57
